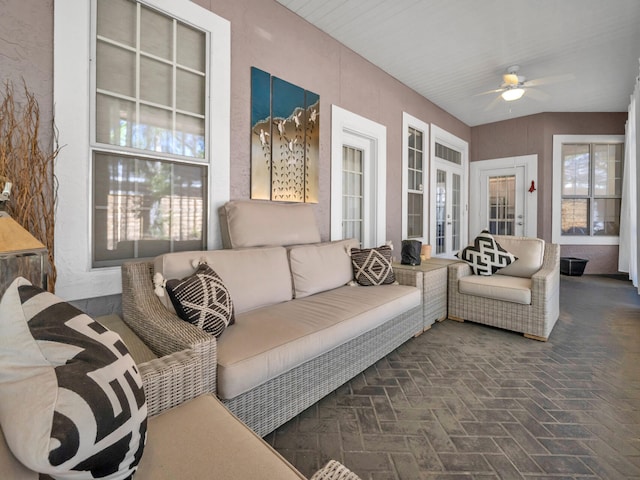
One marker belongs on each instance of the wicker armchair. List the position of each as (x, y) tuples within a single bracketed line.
[(535, 320), (186, 364)]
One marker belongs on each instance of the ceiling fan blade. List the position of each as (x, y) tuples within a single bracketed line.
[(492, 104), (568, 77), (497, 90), (537, 94)]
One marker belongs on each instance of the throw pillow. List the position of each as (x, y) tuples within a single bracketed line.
[(72, 404), (203, 300), (486, 256), (372, 266)]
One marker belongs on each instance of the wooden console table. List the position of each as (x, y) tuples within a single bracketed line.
[(21, 255), (434, 287)]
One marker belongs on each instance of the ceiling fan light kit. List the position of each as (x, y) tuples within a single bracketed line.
[(512, 94)]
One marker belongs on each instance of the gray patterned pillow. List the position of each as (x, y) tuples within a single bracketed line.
[(203, 300), (71, 399), (486, 256), (372, 266)]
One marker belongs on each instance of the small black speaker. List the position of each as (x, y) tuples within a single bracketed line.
[(410, 252)]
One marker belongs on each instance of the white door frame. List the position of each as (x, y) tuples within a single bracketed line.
[(441, 136), (483, 168), (348, 128)]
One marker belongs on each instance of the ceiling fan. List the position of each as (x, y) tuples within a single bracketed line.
[(514, 86)]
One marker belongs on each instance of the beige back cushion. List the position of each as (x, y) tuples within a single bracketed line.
[(530, 253), (252, 223), (255, 277), (316, 268)]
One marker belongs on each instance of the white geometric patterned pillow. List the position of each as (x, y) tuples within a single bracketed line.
[(72, 404), (486, 256), (203, 300), (372, 266)]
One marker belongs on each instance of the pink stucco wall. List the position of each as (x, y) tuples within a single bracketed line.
[(534, 135), (268, 36)]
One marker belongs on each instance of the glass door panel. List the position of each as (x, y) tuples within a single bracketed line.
[(352, 193)]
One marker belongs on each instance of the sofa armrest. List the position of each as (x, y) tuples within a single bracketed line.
[(186, 353), (546, 282), (455, 271)]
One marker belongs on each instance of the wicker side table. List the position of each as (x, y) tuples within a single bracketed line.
[(434, 287)]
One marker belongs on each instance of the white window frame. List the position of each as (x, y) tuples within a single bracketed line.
[(73, 29), (556, 217), (349, 128), (409, 121)]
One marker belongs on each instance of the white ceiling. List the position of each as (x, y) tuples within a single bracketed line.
[(450, 51)]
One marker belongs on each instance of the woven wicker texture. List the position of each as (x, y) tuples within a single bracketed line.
[(536, 319), (434, 292), (271, 404), (334, 470), (186, 366)]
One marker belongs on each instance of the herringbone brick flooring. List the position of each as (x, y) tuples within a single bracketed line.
[(467, 401)]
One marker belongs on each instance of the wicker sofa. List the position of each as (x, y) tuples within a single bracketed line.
[(300, 332), (523, 297)]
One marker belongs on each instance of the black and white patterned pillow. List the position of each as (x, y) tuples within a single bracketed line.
[(486, 256), (372, 266), (203, 300), (72, 404)]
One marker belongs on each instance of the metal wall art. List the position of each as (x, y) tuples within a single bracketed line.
[(285, 140)]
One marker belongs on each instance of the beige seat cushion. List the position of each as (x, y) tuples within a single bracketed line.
[(498, 287), (267, 342), (316, 268), (137, 348), (252, 223), (201, 439), (530, 253), (255, 277)]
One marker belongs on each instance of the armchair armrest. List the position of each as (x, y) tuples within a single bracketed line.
[(187, 363), (545, 283)]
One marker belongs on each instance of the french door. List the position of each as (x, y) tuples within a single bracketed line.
[(353, 193), (448, 209), (504, 196)]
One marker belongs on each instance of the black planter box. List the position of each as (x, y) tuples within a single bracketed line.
[(572, 266)]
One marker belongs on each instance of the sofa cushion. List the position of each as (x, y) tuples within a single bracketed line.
[(316, 268), (508, 289), (71, 398), (372, 266), (269, 341), (253, 223), (254, 276), (530, 253), (486, 256), (203, 300), (201, 439)]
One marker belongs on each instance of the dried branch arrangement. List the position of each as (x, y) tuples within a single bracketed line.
[(29, 167)]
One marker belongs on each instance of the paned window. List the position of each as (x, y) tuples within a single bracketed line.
[(149, 147), (415, 183), (591, 189)]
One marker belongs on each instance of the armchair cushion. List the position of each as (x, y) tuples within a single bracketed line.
[(486, 256), (506, 289), (71, 400), (530, 253)]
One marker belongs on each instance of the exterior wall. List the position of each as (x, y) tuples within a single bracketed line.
[(534, 135)]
